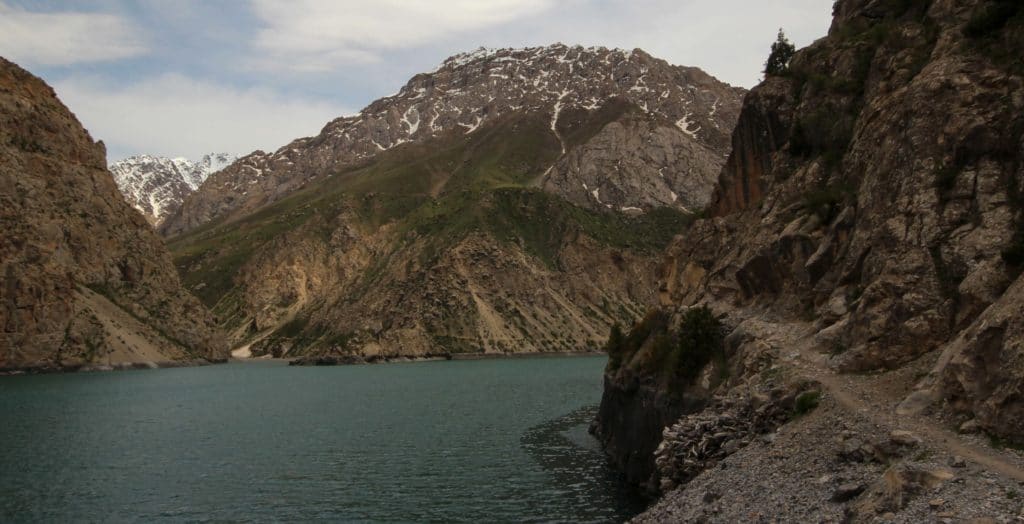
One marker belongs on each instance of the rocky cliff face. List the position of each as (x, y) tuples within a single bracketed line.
[(677, 130), (156, 185), (434, 249), (86, 281), (500, 180), (869, 216), (876, 187)]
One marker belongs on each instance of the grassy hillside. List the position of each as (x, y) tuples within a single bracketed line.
[(429, 198)]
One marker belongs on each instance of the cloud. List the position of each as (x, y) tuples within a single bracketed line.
[(319, 35), (66, 38), (727, 38), (174, 115)]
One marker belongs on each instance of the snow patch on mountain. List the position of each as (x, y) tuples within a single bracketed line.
[(471, 90), (157, 185)]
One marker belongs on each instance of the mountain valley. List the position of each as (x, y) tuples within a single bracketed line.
[(807, 297), (459, 238)]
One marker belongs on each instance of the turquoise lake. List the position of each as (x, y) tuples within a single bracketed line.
[(473, 441)]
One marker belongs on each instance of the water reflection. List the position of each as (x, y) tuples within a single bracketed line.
[(590, 489)]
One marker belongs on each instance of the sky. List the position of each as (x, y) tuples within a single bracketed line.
[(189, 77)]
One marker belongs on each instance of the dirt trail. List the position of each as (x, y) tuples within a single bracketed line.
[(862, 395)]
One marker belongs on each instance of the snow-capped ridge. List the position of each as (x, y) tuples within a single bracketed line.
[(464, 94), (157, 185)]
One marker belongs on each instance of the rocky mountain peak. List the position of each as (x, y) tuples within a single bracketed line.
[(468, 92), (156, 185)]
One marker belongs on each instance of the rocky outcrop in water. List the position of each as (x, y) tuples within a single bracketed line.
[(85, 279)]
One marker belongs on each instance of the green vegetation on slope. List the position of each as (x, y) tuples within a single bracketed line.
[(675, 357), (434, 195)]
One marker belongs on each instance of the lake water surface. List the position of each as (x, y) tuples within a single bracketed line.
[(485, 441)]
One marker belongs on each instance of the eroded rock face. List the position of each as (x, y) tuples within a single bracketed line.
[(633, 165), (689, 117), (985, 375), (483, 295), (630, 426), (874, 192), (76, 260), (874, 188)]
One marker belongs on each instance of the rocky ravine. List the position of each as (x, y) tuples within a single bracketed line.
[(533, 229), (86, 280), (657, 160), (867, 237), (156, 185)]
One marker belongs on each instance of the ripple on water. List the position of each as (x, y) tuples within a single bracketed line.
[(489, 440)]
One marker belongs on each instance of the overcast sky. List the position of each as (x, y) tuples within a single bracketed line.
[(185, 77)]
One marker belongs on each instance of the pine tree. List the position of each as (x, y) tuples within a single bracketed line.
[(782, 53)]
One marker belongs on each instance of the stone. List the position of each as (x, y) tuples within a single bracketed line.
[(846, 492), (731, 447), (970, 427), (904, 438)]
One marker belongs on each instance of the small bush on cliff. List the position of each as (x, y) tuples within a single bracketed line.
[(621, 348), (782, 52), (701, 340), (806, 402)]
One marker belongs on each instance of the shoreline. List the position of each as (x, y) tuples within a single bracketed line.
[(346, 360), (356, 360), (55, 368)]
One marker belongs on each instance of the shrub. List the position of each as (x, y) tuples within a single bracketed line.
[(621, 347), (701, 339), (806, 402), (996, 30), (945, 178)]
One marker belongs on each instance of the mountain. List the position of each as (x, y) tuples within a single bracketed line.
[(863, 254), (523, 213), (86, 280), (677, 139), (156, 185)]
